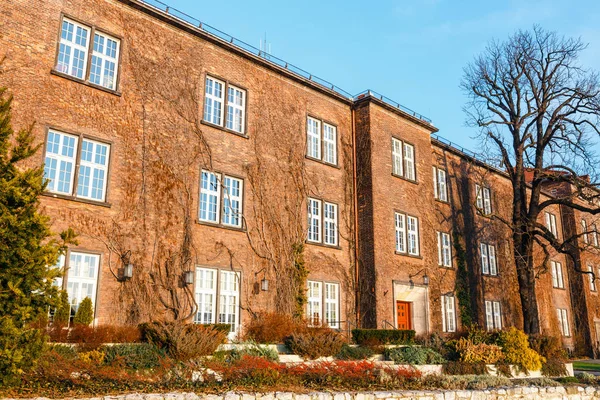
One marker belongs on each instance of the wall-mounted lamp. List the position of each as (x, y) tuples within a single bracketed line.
[(425, 279), (264, 283), (127, 271), (188, 277)]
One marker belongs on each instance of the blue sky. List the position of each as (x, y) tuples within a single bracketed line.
[(412, 51)]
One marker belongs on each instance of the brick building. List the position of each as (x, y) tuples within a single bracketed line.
[(204, 177)]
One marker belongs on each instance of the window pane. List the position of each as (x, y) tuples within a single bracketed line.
[(313, 138), (314, 220), (61, 150), (82, 278), (330, 223), (104, 60), (409, 162), (210, 190), (213, 101), (397, 164), (93, 170), (400, 233), (72, 50), (232, 201), (329, 144), (236, 103)]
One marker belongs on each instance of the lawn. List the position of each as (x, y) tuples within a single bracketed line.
[(586, 366)]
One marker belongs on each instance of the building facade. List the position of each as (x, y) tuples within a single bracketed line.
[(210, 182)]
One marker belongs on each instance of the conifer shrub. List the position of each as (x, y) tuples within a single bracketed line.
[(85, 312), (354, 352), (137, 356), (515, 346), (62, 313), (414, 355), (382, 336)]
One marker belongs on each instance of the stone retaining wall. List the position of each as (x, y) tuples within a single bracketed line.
[(529, 393)]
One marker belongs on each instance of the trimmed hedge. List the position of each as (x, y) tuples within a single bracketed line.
[(375, 337)]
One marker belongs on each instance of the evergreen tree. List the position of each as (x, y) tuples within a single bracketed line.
[(63, 310), (26, 249), (85, 312)]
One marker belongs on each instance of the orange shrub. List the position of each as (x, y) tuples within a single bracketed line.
[(272, 327)]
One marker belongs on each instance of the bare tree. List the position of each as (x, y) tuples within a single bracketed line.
[(538, 109)]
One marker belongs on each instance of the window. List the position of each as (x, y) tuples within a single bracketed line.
[(483, 199), (313, 304), (444, 250), (440, 190), (323, 303), (557, 275), (448, 314), (551, 223), (82, 278), (489, 265), (206, 293), (493, 315), (73, 50), (60, 162), (332, 304), (214, 105), (236, 106), (229, 299), (321, 141), (403, 159), (322, 214), (584, 231), (221, 199), (594, 235), (227, 295), (407, 234), (563, 321), (591, 278)]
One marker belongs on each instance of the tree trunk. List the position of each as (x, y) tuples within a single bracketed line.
[(526, 277)]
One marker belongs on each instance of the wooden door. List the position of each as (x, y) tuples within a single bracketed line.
[(403, 316)]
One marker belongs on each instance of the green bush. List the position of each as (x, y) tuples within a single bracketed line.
[(183, 341), (315, 342), (85, 312), (354, 353), (414, 355), (134, 356), (382, 336)]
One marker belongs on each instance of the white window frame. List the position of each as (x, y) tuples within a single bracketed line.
[(448, 313), (551, 223), (93, 167), (209, 111), (105, 59), (210, 193), (397, 158), (595, 235), (233, 218), (584, 231), (563, 322), (77, 165), (238, 122), (412, 235), (321, 141), (483, 199), (73, 46), (91, 33), (332, 304), (323, 225), (206, 296), (400, 225), (557, 275), (314, 304), (444, 249), (229, 299), (314, 233), (410, 172), (493, 315), (489, 262), (591, 279), (440, 186), (330, 224), (76, 279), (329, 144)]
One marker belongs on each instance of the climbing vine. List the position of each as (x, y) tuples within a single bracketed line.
[(462, 284)]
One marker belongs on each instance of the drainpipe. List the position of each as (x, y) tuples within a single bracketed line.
[(355, 205)]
